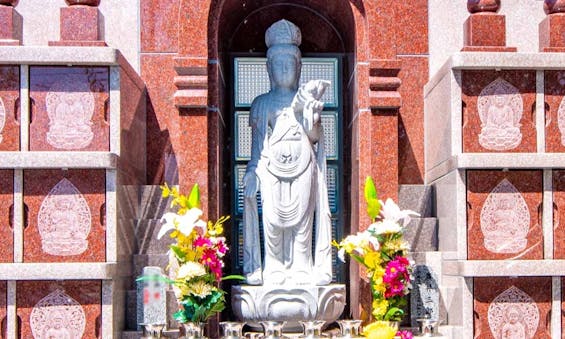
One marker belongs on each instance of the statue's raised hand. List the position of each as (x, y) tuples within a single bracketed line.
[(250, 184)]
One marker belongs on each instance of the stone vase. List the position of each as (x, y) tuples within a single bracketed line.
[(11, 3), (477, 6), (193, 330), (93, 3), (554, 6)]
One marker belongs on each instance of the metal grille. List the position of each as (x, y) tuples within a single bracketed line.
[(331, 181), (252, 78), (240, 172), (329, 124), (243, 136)]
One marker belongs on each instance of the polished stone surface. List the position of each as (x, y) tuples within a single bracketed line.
[(6, 216)]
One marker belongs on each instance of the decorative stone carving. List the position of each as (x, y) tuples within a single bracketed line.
[(64, 220), (253, 304), (476, 6), (513, 314), (151, 297), (500, 109), (57, 316), (561, 120), (93, 3), (70, 107), (425, 294), (505, 219), (554, 6), (2, 118)]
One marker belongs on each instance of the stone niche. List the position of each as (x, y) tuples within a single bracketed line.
[(6, 223), (503, 215), (512, 307), (9, 110), (498, 111), (59, 309)]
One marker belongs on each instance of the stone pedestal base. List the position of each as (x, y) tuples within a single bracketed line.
[(10, 26), (80, 26), (292, 304), (486, 32), (551, 31)]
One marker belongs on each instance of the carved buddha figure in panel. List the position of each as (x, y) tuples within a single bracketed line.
[(513, 314), (505, 219), (64, 220), (70, 107), (500, 109), (59, 316)]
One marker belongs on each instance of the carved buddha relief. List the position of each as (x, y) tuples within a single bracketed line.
[(505, 219), (70, 107), (500, 109), (64, 220), (2, 118), (513, 314), (57, 315)]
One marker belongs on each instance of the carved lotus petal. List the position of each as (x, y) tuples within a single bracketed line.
[(476, 6), (93, 3), (505, 219), (515, 313), (64, 220), (554, 6), (57, 315)]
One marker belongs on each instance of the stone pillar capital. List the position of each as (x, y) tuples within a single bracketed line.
[(480, 6), (554, 6)]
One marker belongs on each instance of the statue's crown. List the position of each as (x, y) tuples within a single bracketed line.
[(283, 32)]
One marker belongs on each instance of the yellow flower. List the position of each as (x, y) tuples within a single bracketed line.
[(200, 289), (380, 306), (190, 270), (380, 330), (373, 260)]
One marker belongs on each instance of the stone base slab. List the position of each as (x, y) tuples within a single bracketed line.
[(292, 304)]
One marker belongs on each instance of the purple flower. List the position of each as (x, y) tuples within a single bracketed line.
[(405, 334)]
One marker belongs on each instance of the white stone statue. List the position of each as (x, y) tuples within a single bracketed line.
[(288, 166)]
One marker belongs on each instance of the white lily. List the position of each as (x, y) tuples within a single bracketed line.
[(184, 223), (391, 211)]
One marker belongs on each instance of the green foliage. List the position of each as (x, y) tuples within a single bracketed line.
[(194, 197), (196, 309), (373, 205)]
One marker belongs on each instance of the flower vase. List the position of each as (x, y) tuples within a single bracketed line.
[(312, 329), (193, 330), (349, 329), (273, 329), (232, 330)]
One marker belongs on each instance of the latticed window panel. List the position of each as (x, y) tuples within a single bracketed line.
[(239, 174), (243, 135), (252, 78)]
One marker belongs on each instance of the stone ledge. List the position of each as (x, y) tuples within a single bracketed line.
[(31, 160), (503, 268), (496, 60), (60, 55), (496, 161), (64, 271)]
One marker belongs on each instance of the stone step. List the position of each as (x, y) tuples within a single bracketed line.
[(418, 198), (421, 234)]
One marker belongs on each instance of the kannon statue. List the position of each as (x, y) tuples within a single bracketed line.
[(288, 167)]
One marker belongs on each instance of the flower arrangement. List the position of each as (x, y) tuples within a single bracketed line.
[(383, 251), (195, 259)]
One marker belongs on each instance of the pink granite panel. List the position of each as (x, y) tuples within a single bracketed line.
[(499, 111), (485, 29), (66, 218), (559, 214), (70, 109), (412, 34), (504, 215), (159, 25), (383, 154), (59, 309), (9, 108), (80, 23), (512, 307), (555, 111), (6, 214), (551, 31), (3, 309), (414, 75), (10, 26)]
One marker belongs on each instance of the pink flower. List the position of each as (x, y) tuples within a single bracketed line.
[(221, 247), (210, 259), (405, 334), (202, 241), (396, 288)]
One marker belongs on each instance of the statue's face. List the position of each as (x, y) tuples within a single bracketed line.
[(284, 70)]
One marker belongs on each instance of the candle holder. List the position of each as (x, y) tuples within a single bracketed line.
[(153, 331), (349, 329), (232, 330), (312, 329), (273, 329)]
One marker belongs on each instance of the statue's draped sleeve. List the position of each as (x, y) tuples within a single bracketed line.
[(251, 238)]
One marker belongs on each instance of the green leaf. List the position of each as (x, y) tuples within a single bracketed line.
[(373, 208), (233, 277), (178, 252), (370, 189), (393, 312), (194, 197)]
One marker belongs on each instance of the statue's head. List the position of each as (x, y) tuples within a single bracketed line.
[(283, 55)]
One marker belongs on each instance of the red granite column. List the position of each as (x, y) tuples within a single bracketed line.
[(10, 24), (552, 28), (485, 30), (81, 24)]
